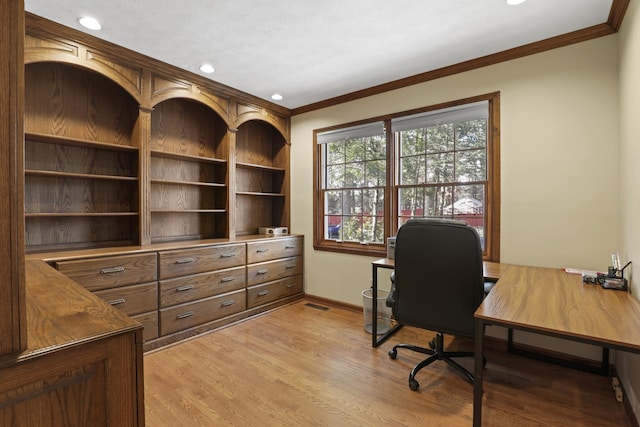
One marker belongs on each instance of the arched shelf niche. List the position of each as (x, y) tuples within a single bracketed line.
[(189, 172), (262, 177), (82, 151)]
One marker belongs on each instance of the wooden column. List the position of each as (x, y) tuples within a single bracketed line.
[(12, 298)]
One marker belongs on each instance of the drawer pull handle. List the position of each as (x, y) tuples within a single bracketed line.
[(263, 271), (116, 301), (112, 270), (227, 279), (262, 293), (228, 303), (289, 247), (185, 315), (185, 260), (184, 288), (262, 250), (231, 255), (290, 285), (288, 266)]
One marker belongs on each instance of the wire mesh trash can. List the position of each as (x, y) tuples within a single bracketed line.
[(383, 315)]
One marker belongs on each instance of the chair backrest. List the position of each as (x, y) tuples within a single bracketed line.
[(438, 276)]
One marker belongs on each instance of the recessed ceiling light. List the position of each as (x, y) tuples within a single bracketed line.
[(90, 23), (207, 68), (515, 2), (276, 97)]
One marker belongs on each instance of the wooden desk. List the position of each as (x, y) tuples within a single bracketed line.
[(492, 271), (551, 302)]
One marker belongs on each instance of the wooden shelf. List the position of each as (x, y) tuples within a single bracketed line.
[(255, 193), (188, 211), (57, 139), (56, 174), (259, 167), (76, 214), (174, 182), (188, 157)]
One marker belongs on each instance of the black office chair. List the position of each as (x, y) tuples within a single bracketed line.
[(438, 285)]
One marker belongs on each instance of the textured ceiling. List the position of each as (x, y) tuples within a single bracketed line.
[(310, 51)]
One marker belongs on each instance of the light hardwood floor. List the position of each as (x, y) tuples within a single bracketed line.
[(302, 366)]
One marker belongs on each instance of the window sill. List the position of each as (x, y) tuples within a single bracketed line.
[(373, 250)]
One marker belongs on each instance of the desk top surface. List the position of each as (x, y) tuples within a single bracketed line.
[(553, 301)]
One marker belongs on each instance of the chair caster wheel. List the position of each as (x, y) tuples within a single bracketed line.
[(393, 353), (413, 385)]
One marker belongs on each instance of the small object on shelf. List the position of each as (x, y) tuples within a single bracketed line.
[(273, 230)]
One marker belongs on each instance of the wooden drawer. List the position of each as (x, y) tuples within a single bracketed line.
[(150, 322), (133, 299), (273, 270), (184, 316), (272, 291), (110, 272), (184, 262), (203, 285), (266, 250)]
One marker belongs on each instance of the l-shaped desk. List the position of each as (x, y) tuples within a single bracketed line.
[(546, 301)]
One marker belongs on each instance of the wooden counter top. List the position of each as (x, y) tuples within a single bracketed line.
[(61, 313)]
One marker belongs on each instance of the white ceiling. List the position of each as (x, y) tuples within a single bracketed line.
[(310, 51)]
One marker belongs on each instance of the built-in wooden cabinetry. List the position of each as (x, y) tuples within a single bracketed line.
[(147, 186), (141, 188), (122, 150)]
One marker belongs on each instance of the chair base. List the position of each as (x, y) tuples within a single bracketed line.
[(436, 352)]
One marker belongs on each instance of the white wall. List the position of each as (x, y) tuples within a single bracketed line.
[(559, 149), (628, 365)]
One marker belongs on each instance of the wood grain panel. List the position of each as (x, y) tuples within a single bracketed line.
[(186, 127), (71, 195), (57, 397), (12, 299), (62, 157), (203, 285), (187, 315), (272, 291), (258, 143), (66, 233), (273, 270), (184, 262), (265, 250), (67, 101), (178, 197), (259, 180), (150, 323), (110, 272), (167, 227), (131, 300), (253, 212), (164, 168)]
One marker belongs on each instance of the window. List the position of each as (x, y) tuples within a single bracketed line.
[(437, 162), (354, 175), (443, 164)]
